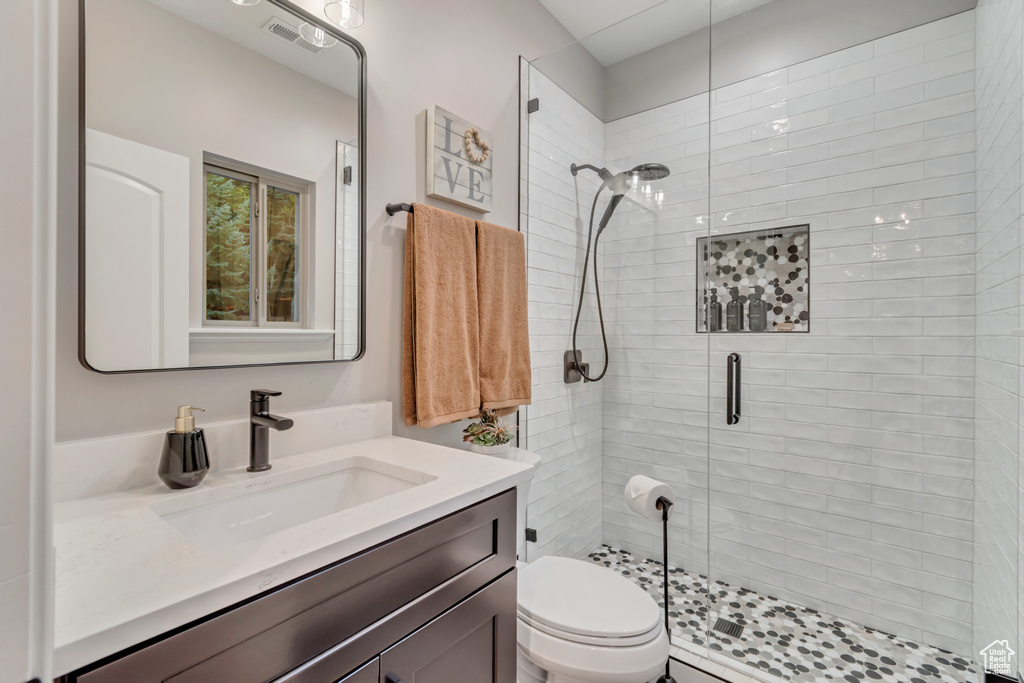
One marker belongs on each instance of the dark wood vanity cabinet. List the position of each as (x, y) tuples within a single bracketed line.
[(436, 604), (368, 673), (474, 641)]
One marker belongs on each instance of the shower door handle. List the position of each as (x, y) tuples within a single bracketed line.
[(733, 381)]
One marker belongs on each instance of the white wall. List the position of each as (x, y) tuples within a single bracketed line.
[(26, 337), (769, 37), (419, 55), (997, 493), (564, 421)]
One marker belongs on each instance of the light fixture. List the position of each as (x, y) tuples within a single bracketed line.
[(317, 36), (345, 13), (247, 3)]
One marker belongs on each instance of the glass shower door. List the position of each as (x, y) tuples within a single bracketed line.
[(649, 414), (837, 283), (656, 391)]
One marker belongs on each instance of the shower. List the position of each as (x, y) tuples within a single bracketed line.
[(619, 184)]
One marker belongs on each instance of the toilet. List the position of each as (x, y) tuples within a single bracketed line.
[(582, 623), (579, 622)]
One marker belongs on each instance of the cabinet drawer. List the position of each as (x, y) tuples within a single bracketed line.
[(401, 584)]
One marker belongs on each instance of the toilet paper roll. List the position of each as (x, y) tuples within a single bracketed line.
[(642, 494)]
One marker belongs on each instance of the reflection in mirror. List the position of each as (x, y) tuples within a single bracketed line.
[(222, 221)]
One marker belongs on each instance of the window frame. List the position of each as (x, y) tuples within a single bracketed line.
[(260, 179)]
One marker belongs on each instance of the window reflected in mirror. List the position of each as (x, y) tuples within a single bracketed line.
[(229, 219), (282, 240)]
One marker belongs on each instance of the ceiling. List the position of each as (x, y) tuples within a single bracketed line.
[(614, 30), (337, 66)]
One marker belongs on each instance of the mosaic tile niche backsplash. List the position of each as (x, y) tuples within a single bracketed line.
[(769, 265)]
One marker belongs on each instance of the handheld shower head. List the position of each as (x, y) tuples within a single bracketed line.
[(649, 172), (619, 182)]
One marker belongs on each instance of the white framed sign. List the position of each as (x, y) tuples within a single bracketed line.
[(460, 159)]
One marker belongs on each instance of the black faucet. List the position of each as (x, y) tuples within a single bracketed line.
[(260, 424)]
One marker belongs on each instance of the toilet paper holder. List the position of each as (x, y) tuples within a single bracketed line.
[(664, 504)]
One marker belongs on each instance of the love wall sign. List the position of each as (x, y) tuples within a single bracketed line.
[(460, 158)]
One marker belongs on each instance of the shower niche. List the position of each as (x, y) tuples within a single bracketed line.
[(755, 281)]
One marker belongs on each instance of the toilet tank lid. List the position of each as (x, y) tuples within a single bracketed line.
[(524, 456), (584, 598)]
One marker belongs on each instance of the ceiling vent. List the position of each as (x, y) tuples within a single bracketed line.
[(276, 27)]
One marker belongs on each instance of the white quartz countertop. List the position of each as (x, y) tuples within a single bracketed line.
[(124, 575)]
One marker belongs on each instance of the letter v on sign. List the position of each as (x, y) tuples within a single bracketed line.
[(452, 180)]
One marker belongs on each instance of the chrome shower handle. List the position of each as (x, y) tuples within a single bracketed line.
[(732, 390)]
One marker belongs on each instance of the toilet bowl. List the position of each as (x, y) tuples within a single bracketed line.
[(582, 623)]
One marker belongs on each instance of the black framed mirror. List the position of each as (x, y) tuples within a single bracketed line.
[(222, 186)]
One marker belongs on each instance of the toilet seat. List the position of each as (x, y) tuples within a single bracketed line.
[(586, 603), (600, 641)]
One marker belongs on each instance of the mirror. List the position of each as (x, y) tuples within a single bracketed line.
[(223, 202)]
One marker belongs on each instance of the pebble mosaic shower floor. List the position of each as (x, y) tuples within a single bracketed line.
[(782, 640)]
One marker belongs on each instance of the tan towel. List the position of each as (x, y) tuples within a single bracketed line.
[(441, 345), (505, 380)]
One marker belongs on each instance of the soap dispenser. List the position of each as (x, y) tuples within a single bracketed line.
[(184, 462), (714, 314), (734, 313)]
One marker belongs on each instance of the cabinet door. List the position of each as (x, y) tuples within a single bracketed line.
[(368, 673), (474, 642)]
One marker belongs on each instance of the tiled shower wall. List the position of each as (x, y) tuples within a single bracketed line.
[(997, 385), (564, 422), (848, 484)]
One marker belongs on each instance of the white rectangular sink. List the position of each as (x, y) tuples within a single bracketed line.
[(243, 511)]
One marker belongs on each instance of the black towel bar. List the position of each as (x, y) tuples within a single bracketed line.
[(392, 209)]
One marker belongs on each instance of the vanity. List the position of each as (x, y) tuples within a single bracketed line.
[(381, 559)]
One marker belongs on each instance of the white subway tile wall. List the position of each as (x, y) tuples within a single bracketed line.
[(997, 494), (847, 485), (564, 422)]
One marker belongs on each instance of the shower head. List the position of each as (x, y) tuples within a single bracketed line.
[(648, 172), (619, 183)]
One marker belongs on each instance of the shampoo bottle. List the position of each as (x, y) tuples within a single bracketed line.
[(757, 311), (734, 313), (184, 462), (714, 314)]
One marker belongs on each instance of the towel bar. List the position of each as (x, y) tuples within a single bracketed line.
[(392, 209)]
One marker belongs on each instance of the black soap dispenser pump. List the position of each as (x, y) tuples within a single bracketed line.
[(184, 462), (714, 314), (734, 313), (758, 311)]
